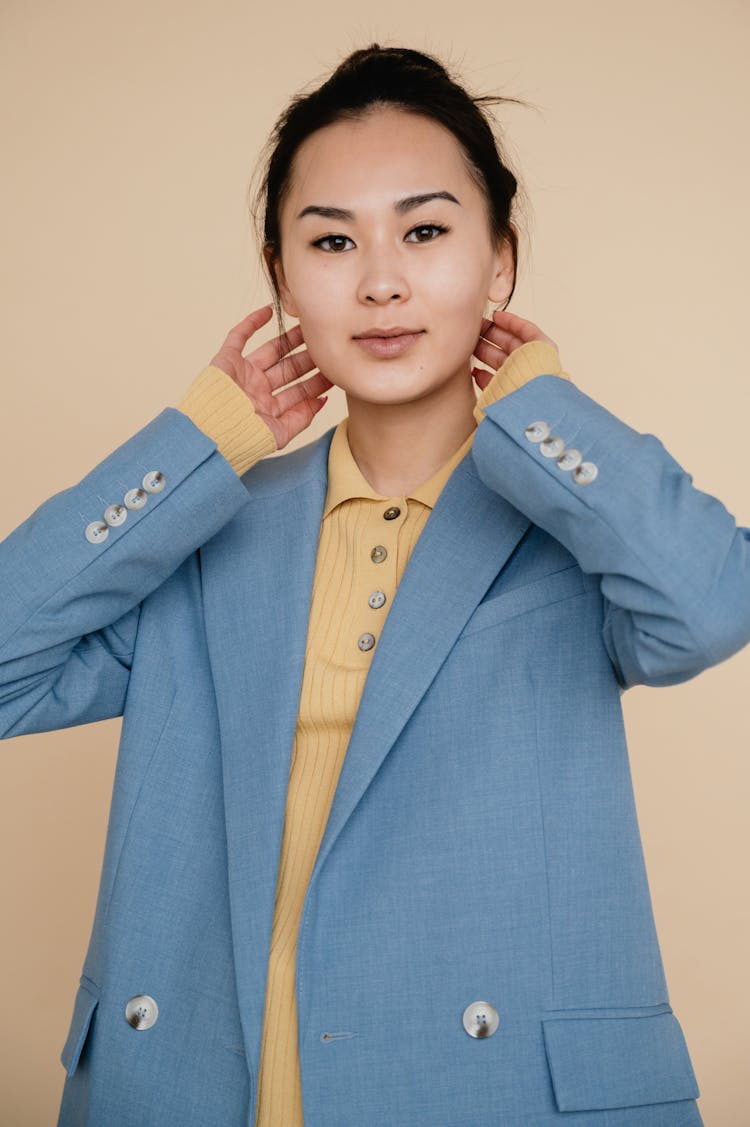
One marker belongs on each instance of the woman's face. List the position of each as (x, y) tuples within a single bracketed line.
[(367, 246)]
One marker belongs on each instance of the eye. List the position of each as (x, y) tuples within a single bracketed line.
[(335, 242), (428, 230)]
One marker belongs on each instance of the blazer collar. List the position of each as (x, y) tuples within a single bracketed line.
[(467, 538)]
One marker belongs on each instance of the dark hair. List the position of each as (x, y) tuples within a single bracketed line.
[(369, 79)]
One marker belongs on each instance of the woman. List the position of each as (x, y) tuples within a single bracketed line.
[(370, 863)]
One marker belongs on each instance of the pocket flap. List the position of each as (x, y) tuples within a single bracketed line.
[(83, 1010), (607, 1062)]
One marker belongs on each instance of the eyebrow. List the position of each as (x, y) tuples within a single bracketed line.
[(408, 203)]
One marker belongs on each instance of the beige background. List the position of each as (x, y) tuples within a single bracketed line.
[(129, 135)]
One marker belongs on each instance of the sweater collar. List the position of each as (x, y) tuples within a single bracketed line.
[(346, 481)]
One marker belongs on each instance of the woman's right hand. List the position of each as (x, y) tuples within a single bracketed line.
[(270, 367)]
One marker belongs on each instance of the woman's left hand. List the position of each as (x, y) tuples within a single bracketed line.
[(499, 337)]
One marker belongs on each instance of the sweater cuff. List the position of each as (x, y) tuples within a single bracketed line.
[(219, 406), (535, 358)]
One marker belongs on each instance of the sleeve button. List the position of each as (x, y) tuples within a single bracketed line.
[(585, 473), (552, 446), (135, 499), (115, 515), (96, 532), (154, 481), (570, 458), (535, 432)]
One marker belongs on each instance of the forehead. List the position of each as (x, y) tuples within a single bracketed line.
[(374, 159)]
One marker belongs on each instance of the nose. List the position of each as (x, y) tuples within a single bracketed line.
[(383, 279)]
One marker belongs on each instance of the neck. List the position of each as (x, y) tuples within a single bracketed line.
[(399, 446)]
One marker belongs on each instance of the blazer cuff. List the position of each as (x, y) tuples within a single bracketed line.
[(223, 411), (535, 358)]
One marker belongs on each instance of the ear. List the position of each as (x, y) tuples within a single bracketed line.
[(503, 274), (276, 270)]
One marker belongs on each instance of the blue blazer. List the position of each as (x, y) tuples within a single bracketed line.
[(477, 942)]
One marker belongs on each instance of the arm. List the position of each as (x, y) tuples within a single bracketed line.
[(72, 584), (75, 573), (674, 566)]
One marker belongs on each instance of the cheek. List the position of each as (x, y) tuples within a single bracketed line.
[(460, 284)]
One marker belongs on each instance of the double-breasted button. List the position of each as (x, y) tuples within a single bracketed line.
[(378, 554), (535, 432), (154, 481), (141, 1011), (115, 514), (96, 532), (480, 1019), (552, 446), (135, 498), (392, 513), (585, 473), (366, 642), (570, 458), (376, 599)]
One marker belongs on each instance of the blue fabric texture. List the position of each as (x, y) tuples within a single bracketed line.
[(483, 841)]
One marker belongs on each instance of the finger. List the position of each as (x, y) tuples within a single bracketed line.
[(523, 328), (490, 354), (238, 336), (482, 377), (308, 389), (503, 338), (273, 350), (289, 369), (301, 415), (519, 326)]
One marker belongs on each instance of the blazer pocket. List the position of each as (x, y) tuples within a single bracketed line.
[(86, 1002), (607, 1062), (540, 592)]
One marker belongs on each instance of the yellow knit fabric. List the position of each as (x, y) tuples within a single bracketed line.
[(535, 358), (346, 577), (361, 558), (220, 407)]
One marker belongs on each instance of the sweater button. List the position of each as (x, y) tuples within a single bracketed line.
[(392, 513), (378, 554), (366, 642), (376, 600)]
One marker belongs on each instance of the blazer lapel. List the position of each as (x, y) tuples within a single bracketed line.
[(464, 544), (257, 576)]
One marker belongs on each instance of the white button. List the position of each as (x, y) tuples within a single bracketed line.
[(154, 481), (366, 642), (376, 599), (141, 1011), (115, 514), (585, 473), (480, 1019), (570, 458), (135, 499), (535, 432), (552, 446), (96, 532)]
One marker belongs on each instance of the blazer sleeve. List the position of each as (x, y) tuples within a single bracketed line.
[(672, 563), (72, 584)]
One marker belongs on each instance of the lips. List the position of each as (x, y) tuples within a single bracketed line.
[(397, 331), (386, 344)]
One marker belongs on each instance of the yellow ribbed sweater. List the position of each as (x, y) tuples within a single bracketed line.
[(361, 558)]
